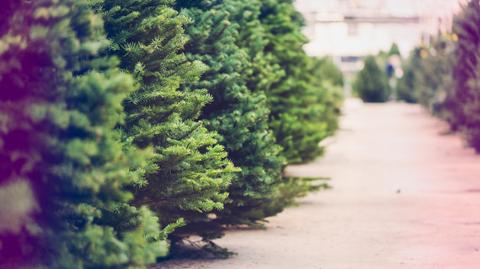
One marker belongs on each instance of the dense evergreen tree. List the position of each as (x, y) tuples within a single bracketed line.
[(231, 39), (406, 86), (17, 203), (90, 141), (238, 113), (266, 73), (432, 67), (189, 173), (447, 74), (466, 73), (60, 104), (394, 50), (406, 89), (296, 103), (326, 70), (327, 81), (263, 70), (371, 83)]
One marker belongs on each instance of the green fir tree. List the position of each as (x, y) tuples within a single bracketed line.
[(327, 81), (326, 70), (60, 106), (407, 87), (239, 111), (296, 103), (189, 173), (394, 50), (466, 73), (371, 83), (432, 66)]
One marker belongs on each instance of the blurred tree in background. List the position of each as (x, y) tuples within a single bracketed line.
[(328, 79), (326, 70), (296, 104), (434, 75), (407, 85), (394, 50), (465, 98), (371, 83), (445, 74)]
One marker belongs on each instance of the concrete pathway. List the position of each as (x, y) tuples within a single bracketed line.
[(405, 195)]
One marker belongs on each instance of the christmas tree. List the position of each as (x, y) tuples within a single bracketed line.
[(465, 106), (432, 67), (60, 106), (371, 83), (189, 173), (294, 101), (407, 85), (326, 81), (326, 70), (239, 111)]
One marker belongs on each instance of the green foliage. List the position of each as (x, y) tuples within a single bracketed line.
[(295, 103), (446, 74), (394, 50), (189, 174), (231, 39), (60, 108), (326, 70), (238, 114), (430, 70), (96, 133), (270, 33), (292, 188), (371, 83), (464, 99), (406, 86), (328, 81)]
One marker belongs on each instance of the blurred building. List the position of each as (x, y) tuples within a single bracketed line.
[(348, 30)]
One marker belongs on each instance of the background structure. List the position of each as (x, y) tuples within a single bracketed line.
[(350, 29)]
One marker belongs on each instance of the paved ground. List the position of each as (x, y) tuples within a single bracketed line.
[(405, 195)]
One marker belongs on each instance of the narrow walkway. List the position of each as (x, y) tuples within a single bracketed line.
[(405, 195)]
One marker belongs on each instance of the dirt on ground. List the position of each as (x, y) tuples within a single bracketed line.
[(406, 194)]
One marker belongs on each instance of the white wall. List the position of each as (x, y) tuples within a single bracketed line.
[(340, 39)]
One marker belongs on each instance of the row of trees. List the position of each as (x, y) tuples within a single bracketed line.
[(444, 75), (128, 126)]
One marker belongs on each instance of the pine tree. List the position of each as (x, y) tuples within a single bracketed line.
[(326, 70), (239, 111), (324, 79), (60, 105), (231, 39), (406, 85), (294, 101), (371, 83), (465, 105), (394, 50), (263, 74), (189, 174), (407, 88), (327, 81), (433, 83), (17, 202), (263, 70)]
